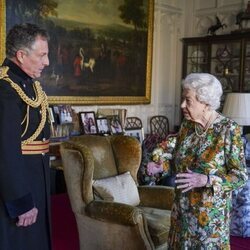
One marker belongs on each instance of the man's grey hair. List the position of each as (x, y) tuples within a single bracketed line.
[(23, 36), (207, 87)]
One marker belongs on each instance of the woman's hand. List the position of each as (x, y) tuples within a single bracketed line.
[(154, 168), (190, 180)]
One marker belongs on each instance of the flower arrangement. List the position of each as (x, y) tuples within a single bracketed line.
[(156, 162)]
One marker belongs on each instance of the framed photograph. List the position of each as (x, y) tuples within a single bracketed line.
[(65, 121), (63, 113), (92, 48), (88, 122), (51, 115), (55, 109), (137, 133), (102, 125), (76, 127), (115, 124)]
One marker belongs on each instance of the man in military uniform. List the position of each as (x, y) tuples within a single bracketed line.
[(24, 133)]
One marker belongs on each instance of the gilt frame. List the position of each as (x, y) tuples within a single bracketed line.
[(127, 96)]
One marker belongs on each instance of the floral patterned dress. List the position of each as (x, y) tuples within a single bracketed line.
[(200, 217)]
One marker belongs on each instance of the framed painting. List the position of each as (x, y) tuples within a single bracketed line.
[(99, 52)]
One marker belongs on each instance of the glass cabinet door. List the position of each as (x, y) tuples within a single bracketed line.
[(246, 73), (225, 64), (197, 58), (225, 56)]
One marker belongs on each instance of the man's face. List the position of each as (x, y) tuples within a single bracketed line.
[(36, 58)]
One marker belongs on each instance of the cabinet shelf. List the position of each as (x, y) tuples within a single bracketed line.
[(226, 59), (197, 63), (223, 75)]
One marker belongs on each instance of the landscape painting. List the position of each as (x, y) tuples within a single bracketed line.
[(100, 51)]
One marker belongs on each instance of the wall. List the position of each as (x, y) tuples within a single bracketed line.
[(174, 19), (205, 11)]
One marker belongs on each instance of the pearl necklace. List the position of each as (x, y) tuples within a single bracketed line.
[(210, 121)]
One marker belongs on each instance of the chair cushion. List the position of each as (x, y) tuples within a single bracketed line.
[(158, 224), (121, 188)]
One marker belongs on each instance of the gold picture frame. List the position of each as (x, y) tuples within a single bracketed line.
[(128, 85)]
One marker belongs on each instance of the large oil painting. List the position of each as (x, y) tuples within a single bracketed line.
[(100, 51)]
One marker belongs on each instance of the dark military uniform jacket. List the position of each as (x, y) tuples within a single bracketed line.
[(24, 179)]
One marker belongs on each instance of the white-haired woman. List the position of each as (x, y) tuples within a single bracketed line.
[(208, 160)]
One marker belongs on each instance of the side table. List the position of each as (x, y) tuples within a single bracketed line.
[(57, 181)]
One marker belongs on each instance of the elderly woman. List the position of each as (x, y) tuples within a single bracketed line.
[(208, 160)]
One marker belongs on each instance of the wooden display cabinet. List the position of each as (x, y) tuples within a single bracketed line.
[(225, 56)]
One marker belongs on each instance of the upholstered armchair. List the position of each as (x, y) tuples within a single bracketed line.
[(104, 223)]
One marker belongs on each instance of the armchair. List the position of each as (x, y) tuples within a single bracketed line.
[(110, 225)]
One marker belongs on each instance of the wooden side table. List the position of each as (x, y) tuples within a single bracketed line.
[(57, 181)]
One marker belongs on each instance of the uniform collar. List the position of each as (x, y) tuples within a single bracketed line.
[(25, 79)]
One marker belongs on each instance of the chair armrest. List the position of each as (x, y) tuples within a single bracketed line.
[(156, 196), (114, 212)]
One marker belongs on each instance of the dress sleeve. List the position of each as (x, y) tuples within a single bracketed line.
[(14, 188), (235, 174)]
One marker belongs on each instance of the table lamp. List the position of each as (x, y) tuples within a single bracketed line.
[(237, 107)]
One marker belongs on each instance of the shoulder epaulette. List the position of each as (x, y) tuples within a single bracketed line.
[(3, 72)]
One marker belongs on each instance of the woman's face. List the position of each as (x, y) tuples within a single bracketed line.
[(91, 122), (192, 108)]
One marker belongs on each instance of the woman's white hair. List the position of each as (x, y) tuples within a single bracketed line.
[(207, 88)]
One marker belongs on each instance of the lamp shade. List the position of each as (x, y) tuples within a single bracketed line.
[(237, 107)]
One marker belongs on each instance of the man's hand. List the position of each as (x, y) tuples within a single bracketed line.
[(27, 218)]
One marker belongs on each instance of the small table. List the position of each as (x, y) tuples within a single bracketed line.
[(57, 181)]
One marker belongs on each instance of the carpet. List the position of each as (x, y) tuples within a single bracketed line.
[(239, 243), (64, 229)]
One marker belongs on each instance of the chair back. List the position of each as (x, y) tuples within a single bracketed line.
[(133, 122), (159, 125), (100, 151), (89, 157)]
